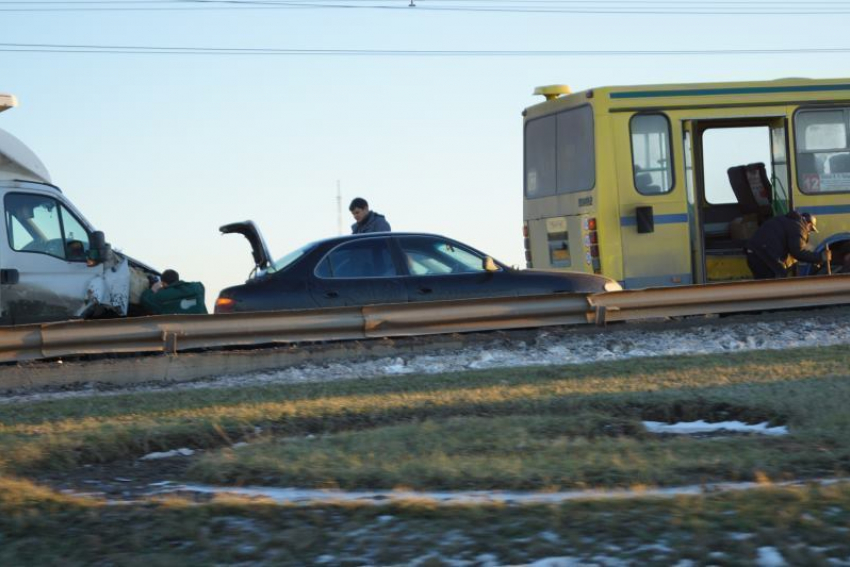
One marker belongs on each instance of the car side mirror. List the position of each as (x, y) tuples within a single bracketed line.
[(490, 265)]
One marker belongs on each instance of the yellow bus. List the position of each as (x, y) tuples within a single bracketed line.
[(662, 185)]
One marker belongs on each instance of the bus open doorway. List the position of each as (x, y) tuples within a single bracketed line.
[(737, 178)]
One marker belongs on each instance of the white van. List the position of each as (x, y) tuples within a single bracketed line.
[(53, 264)]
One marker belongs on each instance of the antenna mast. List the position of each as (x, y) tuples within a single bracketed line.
[(338, 209)]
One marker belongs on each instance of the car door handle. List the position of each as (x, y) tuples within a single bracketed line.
[(331, 294), (424, 290)]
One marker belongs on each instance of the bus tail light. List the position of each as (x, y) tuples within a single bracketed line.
[(593, 239)]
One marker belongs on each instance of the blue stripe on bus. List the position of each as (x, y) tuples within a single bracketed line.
[(656, 281), (658, 219), (826, 209), (732, 91)]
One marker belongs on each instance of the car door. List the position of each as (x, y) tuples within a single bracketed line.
[(442, 269), (358, 272), (44, 260)]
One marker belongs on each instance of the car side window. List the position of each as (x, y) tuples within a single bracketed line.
[(367, 258), (435, 256)]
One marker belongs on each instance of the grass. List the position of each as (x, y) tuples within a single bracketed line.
[(547, 428), (592, 413)]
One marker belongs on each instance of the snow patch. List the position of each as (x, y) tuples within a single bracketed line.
[(700, 426), (183, 452), (308, 496), (770, 557)]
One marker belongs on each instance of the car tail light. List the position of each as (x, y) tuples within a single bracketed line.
[(224, 305)]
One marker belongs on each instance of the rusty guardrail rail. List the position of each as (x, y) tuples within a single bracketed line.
[(184, 332), (727, 297)]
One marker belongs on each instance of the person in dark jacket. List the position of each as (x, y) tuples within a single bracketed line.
[(780, 242), (170, 296), (367, 221)]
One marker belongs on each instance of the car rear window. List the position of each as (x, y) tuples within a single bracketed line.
[(286, 261)]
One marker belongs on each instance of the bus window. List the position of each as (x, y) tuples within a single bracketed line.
[(653, 172), (540, 140), (728, 147), (823, 152), (559, 154), (576, 159)]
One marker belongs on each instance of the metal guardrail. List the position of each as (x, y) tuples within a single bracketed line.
[(184, 332), (728, 297), (173, 333)]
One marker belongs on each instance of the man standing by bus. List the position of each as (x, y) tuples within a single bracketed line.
[(367, 221), (780, 242)]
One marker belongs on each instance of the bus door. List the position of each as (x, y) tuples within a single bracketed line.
[(736, 176), (652, 207), (694, 218)]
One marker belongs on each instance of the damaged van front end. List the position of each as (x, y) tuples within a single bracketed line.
[(53, 264)]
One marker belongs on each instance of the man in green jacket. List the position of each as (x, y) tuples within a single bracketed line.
[(170, 296)]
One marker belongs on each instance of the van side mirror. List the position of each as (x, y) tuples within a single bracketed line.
[(490, 265), (97, 249)]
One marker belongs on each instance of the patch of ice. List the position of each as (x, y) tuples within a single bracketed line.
[(700, 426), (487, 560), (769, 557), (383, 497), (557, 562), (183, 452)]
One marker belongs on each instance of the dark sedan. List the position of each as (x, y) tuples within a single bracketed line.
[(388, 267)]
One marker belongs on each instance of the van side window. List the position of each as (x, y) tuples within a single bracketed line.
[(823, 150), (39, 224), (76, 237), (652, 166)]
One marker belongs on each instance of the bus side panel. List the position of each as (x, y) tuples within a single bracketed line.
[(656, 255)]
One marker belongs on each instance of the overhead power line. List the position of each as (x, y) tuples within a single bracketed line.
[(626, 7), (261, 51)]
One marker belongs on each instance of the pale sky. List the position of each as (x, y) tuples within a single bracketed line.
[(159, 150)]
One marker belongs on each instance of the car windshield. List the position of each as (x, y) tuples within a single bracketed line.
[(286, 261)]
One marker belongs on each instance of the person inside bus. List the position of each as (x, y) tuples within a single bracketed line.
[(780, 242), (367, 221)]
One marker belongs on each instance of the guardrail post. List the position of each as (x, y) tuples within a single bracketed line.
[(601, 311), (169, 340)]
